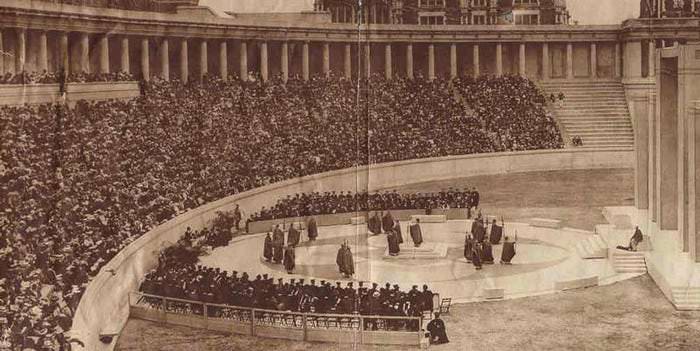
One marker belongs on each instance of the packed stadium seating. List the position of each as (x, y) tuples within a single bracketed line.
[(77, 184)]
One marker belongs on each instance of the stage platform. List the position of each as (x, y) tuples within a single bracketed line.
[(547, 261)]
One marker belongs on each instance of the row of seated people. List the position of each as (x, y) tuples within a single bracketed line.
[(46, 77), (79, 183), (309, 204)]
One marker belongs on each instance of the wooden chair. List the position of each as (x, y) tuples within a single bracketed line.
[(445, 305)]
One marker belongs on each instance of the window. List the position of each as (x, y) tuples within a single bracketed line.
[(480, 3), (480, 19), (431, 20), (432, 3)]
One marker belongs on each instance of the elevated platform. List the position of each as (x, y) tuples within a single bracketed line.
[(427, 251), (429, 218), (545, 223)]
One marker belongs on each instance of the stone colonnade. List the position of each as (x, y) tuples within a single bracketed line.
[(187, 58)]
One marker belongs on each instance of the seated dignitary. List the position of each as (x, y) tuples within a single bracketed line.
[(437, 331)]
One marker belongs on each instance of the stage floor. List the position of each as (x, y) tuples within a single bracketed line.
[(544, 257)]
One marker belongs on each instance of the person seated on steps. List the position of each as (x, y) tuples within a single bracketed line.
[(636, 238)]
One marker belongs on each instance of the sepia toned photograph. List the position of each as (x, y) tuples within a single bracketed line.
[(365, 175)]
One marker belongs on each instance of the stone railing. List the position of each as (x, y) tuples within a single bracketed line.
[(335, 328), (21, 94), (104, 307)]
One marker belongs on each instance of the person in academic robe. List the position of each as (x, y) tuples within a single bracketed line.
[(508, 251), (293, 236), (289, 258), (387, 222), (468, 246), (438, 333), (476, 255), (278, 244), (427, 297), (486, 252), (496, 233), (416, 233), (397, 231), (348, 263), (374, 224), (312, 229), (267, 248), (477, 230), (392, 243), (636, 238)]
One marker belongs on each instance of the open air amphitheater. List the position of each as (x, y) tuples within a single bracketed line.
[(154, 153)]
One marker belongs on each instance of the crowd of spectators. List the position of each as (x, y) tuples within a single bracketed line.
[(133, 5), (309, 204), (78, 184), (178, 276)]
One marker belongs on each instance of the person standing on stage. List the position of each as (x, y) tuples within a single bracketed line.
[(397, 231), (289, 259), (476, 255), (278, 244), (438, 333), (387, 222), (312, 229), (392, 243), (508, 250), (293, 236), (486, 252), (267, 248), (344, 260), (416, 233), (468, 246), (496, 232)]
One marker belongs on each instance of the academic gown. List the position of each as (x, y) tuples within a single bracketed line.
[(438, 334), (293, 236), (478, 231), (289, 259), (416, 234), (312, 230), (278, 244), (348, 262), (486, 252), (387, 222), (397, 231), (508, 251), (393, 243), (374, 224), (267, 248), (496, 234), (476, 256), (468, 246)]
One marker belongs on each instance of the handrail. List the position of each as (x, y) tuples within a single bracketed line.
[(353, 315)]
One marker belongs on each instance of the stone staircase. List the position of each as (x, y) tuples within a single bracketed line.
[(629, 262), (686, 298), (592, 247), (596, 111)]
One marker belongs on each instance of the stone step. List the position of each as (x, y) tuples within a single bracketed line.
[(596, 130), (601, 135), (592, 112)]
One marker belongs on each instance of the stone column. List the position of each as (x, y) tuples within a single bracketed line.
[(63, 52), (21, 52), (387, 61), (652, 58), (326, 59), (633, 59), (43, 62), (409, 61), (145, 60), (431, 61), (368, 60), (522, 64), (165, 59), (305, 60), (453, 60), (594, 60), (84, 53), (104, 53), (264, 72), (499, 59), (347, 60), (203, 58), (475, 61), (569, 60), (617, 70), (243, 61), (124, 61), (184, 61), (546, 70), (223, 60), (284, 61)]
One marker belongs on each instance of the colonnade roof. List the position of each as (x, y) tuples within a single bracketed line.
[(202, 22)]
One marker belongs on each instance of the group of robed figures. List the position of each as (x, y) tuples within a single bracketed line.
[(275, 250), (478, 248), (392, 228)]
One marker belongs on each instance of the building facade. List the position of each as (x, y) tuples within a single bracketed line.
[(669, 8), (445, 12)]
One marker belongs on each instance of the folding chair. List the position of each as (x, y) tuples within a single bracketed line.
[(445, 305)]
